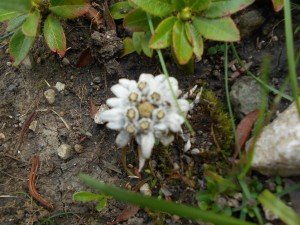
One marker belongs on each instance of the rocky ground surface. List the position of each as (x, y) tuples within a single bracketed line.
[(46, 106)]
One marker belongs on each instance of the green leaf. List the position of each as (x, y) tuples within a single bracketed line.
[(68, 9), (16, 22), (85, 196), (30, 26), (195, 39), (285, 213), (162, 205), (182, 48), (197, 5), (137, 41), (6, 15), (278, 5), (178, 4), (120, 9), (159, 8), (136, 20), (162, 35), (145, 45), (128, 46), (222, 29), (54, 35), (16, 5), (101, 204), (19, 46), (226, 8)]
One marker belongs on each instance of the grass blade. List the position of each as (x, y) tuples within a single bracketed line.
[(285, 213), (161, 205), (290, 52)]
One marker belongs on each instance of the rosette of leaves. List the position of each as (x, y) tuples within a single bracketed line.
[(27, 17), (184, 24)]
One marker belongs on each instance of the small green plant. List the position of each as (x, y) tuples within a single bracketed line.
[(85, 196), (26, 17), (181, 24)]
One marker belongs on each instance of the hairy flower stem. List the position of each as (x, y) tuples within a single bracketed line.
[(166, 73)]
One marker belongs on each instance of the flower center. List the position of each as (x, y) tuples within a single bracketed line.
[(130, 129), (131, 114), (160, 114), (145, 109), (133, 97), (155, 96), (142, 85), (185, 14), (144, 125)]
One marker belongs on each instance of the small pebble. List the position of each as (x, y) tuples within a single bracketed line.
[(145, 189), (195, 151), (50, 95), (78, 148), (8, 63), (2, 136), (64, 151), (65, 61), (60, 86), (33, 125)]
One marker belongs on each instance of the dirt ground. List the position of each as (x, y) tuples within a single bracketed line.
[(68, 121)]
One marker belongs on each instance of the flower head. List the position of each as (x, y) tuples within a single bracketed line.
[(145, 110)]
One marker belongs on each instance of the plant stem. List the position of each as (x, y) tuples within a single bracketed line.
[(237, 145), (290, 52), (166, 73)]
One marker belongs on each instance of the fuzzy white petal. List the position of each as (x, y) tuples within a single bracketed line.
[(146, 77), (147, 143), (120, 91), (167, 139), (160, 127), (116, 102), (184, 105), (174, 122), (116, 125), (123, 138), (125, 82), (112, 114)]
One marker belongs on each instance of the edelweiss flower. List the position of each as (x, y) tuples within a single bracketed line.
[(145, 110)]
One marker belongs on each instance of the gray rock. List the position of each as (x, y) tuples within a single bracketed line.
[(277, 150), (50, 95), (64, 151), (249, 22), (245, 95)]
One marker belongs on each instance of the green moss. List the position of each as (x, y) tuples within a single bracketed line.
[(220, 120)]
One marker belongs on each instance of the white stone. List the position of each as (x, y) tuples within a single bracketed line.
[(97, 118), (277, 151), (60, 86), (64, 151), (50, 95), (145, 189)]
